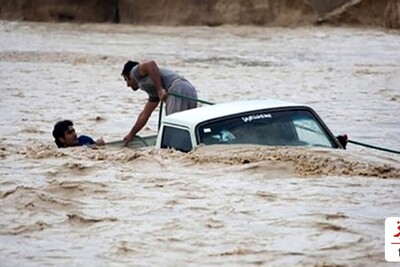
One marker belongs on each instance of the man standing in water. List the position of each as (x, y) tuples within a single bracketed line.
[(157, 82)]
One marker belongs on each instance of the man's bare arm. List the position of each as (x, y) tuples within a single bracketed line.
[(141, 120)]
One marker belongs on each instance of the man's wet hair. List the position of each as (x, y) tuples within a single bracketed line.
[(128, 67), (59, 131)]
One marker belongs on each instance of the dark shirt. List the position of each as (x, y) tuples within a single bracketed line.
[(85, 140)]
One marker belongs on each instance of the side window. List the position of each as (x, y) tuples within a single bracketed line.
[(176, 138), (310, 132)]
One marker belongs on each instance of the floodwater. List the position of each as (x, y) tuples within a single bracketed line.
[(225, 206)]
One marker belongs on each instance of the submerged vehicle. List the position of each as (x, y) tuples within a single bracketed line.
[(261, 122)]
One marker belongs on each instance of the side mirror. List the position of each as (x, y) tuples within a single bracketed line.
[(343, 140)]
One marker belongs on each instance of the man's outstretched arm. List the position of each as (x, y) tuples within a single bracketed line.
[(141, 120)]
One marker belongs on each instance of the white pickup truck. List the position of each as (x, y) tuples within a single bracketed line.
[(262, 122)]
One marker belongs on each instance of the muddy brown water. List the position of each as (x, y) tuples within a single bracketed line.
[(230, 206)]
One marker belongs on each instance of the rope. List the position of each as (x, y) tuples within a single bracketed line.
[(374, 147), (181, 96), (142, 140), (160, 116), (191, 98)]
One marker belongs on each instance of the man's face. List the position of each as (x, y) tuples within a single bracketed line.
[(70, 138), (131, 83)]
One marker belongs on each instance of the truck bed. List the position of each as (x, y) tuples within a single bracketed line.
[(138, 142)]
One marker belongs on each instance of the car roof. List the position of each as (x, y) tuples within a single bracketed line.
[(193, 117)]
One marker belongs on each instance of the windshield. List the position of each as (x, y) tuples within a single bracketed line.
[(274, 128)]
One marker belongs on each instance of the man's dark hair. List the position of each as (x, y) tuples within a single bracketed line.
[(128, 67), (59, 131)]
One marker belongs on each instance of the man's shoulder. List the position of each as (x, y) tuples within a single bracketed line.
[(135, 73), (85, 140)]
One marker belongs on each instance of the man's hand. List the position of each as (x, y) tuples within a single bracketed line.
[(162, 95), (128, 138), (100, 142)]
